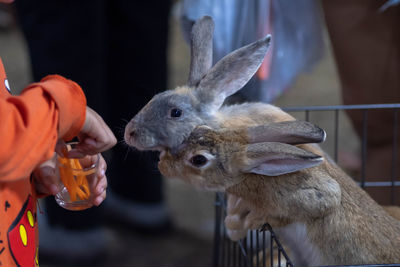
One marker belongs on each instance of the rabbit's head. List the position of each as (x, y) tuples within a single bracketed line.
[(170, 116), (218, 159)]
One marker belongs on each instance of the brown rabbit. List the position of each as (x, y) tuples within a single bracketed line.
[(296, 187)]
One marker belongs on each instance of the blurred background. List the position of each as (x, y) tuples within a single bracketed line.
[(189, 239)]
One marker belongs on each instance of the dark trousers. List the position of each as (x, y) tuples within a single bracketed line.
[(117, 51), (366, 45)]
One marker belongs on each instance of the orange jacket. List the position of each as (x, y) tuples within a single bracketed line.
[(30, 125)]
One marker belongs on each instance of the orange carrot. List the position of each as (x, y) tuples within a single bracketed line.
[(74, 180)]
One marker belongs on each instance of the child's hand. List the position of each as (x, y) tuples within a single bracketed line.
[(47, 182), (45, 179), (95, 136), (99, 193)]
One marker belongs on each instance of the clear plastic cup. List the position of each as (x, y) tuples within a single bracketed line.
[(78, 180)]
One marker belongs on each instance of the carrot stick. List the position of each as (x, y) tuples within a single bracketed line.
[(75, 182)]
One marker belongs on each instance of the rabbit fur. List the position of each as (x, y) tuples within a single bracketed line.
[(288, 185)]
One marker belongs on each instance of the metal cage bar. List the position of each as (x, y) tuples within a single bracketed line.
[(394, 154)]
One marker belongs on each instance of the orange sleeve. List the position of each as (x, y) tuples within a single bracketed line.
[(32, 122)]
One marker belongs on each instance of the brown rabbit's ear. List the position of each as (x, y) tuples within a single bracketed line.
[(273, 159), (201, 49), (231, 73), (289, 132)]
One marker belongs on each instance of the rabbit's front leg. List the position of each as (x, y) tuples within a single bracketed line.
[(241, 217), (236, 212)]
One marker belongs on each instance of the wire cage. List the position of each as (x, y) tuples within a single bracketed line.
[(262, 247)]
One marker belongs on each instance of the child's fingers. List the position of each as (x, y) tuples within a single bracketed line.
[(95, 135), (102, 167), (86, 146), (90, 160), (102, 180), (48, 189), (80, 151), (101, 186), (46, 180), (98, 200), (60, 148), (75, 153)]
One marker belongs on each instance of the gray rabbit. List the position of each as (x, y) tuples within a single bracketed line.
[(170, 116)]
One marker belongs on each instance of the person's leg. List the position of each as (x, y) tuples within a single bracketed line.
[(137, 70), (65, 37), (366, 45)]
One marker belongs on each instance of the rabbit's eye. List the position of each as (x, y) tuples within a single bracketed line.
[(198, 160), (176, 113)]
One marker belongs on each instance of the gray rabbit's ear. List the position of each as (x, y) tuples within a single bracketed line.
[(273, 159), (289, 132), (201, 49), (232, 72)]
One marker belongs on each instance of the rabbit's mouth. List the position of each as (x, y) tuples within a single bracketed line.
[(152, 148), (140, 147), (141, 144)]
